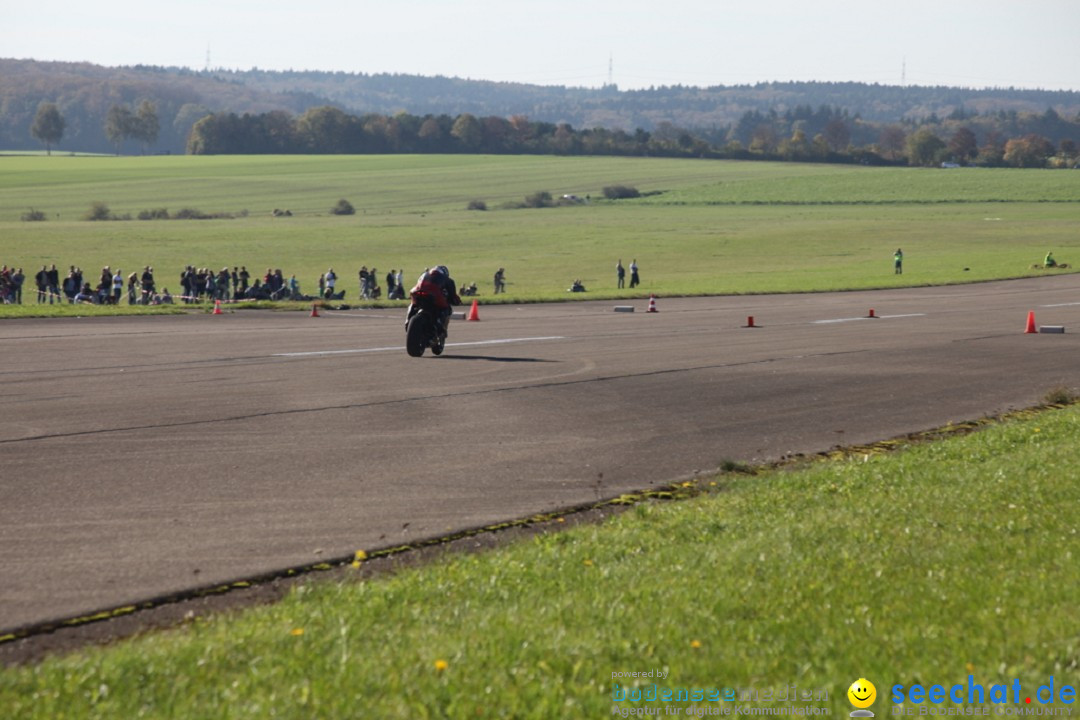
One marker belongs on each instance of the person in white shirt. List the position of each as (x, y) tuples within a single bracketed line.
[(117, 286), (331, 278)]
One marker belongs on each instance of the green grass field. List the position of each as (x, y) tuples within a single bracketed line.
[(926, 565), (715, 227)]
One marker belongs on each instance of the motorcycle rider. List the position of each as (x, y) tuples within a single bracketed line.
[(437, 283)]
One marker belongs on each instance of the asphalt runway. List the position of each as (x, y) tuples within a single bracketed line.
[(144, 456)]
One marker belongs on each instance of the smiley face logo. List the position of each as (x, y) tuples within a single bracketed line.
[(862, 693)]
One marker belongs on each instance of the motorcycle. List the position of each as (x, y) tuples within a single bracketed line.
[(423, 329)]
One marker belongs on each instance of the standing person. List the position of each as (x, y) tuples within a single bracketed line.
[(390, 284), (331, 279), (71, 285), (17, 279), (620, 274), (322, 285), (147, 284), (500, 281), (898, 262), (235, 281), (370, 283), (634, 279), (133, 280), (223, 285), (117, 286), (42, 282), (399, 283), (363, 281), (54, 284)]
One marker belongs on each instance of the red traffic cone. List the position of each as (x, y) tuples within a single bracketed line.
[(217, 308), (474, 312), (1031, 323), (314, 310), (871, 315), (652, 304), (750, 322)]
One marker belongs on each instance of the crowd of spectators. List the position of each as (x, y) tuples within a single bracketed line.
[(196, 285)]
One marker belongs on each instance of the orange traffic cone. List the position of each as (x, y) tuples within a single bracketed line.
[(652, 304), (314, 310), (217, 308), (1031, 323), (474, 312)]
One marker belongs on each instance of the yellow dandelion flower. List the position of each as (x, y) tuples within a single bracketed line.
[(588, 562), (296, 632), (441, 665), (358, 558), (560, 519), (695, 644)]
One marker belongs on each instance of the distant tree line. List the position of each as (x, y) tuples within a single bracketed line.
[(763, 118), (802, 134)]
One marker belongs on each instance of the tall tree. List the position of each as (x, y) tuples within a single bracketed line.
[(48, 126), (924, 147), (468, 131), (837, 134), (1029, 151), (119, 122), (145, 127), (891, 141), (963, 145)]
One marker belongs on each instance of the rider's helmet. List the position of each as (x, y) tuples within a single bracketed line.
[(443, 270)]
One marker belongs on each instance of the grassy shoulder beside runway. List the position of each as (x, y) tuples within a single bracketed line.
[(925, 565), (703, 228)]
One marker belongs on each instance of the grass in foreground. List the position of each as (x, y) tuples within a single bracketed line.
[(927, 565)]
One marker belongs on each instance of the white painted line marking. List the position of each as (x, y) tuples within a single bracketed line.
[(506, 341), (1061, 304), (879, 317)]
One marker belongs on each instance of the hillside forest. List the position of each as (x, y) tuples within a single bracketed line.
[(78, 107)]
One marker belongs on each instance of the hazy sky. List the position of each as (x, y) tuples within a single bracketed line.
[(970, 43)]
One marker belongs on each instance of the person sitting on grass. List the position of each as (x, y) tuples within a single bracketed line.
[(86, 295), (1050, 261), (577, 287)]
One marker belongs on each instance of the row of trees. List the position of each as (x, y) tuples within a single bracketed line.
[(84, 94), (825, 135), (121, 123)]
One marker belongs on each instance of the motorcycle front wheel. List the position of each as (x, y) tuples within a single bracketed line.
[(415, 339)]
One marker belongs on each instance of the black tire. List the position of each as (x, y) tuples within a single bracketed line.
[(415, 335), (437, 345)]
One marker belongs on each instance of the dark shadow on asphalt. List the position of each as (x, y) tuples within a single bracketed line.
[(492, 358)]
